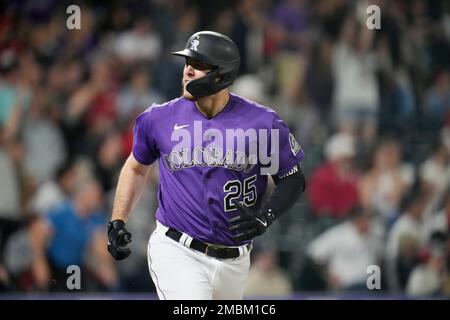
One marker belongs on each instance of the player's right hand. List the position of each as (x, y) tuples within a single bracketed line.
[(118, 239)]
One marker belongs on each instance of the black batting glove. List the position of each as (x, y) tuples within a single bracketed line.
[(118, 239), (249, 223)]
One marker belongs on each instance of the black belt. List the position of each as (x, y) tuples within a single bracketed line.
[(215, 251)]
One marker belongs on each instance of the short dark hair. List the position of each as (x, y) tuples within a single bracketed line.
[(65, 167), (412, 197), (358, 212)]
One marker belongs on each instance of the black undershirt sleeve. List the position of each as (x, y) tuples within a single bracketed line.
[(287, 190)]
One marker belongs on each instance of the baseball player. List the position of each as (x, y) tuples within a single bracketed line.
[(215, 151)]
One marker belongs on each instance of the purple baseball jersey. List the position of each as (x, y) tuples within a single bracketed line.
[(207, 164)]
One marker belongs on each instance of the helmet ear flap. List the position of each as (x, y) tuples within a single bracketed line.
[(205, 86), (220, 78)]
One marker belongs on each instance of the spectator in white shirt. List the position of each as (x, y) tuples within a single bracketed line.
[(427, 279), (53, 192), (435, 176), (139, 43), (404, 240), (347, 250)]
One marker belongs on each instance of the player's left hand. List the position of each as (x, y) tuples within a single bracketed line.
[(249, 223)]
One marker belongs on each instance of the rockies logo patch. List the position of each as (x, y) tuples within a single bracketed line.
[(295, 146), (195, 43)]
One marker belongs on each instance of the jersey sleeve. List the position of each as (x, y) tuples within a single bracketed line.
[(290, 153), (144, 146)]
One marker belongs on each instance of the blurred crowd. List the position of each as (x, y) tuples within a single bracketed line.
[(371, 109)]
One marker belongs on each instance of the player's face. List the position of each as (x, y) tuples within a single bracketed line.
[(193, 69)]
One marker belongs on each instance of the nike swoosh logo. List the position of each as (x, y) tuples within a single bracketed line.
[(263, 223), (177, 127)]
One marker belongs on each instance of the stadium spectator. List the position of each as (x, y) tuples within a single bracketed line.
[(426, 279), (333, 187), (354, 65), (67, 236), (434, 174), (439, 221), (437, 100), (266, 278), (346, 250), (404, 241), (387, 181), (52, 192)]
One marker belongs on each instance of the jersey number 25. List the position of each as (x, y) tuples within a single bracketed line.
[(235, 189)]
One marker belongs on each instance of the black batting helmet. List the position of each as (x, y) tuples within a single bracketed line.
[(217, 50)]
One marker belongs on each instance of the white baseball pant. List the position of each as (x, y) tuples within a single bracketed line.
[(181, 273)]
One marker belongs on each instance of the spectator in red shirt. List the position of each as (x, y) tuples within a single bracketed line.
[(333, 185)]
